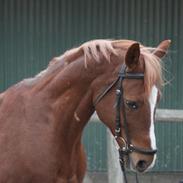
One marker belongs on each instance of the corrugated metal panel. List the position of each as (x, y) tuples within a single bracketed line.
[(32, 32), (95, 143)]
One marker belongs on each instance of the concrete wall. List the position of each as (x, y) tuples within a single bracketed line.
[(95, 177)]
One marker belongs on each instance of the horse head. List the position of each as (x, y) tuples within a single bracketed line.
[(138, 71)]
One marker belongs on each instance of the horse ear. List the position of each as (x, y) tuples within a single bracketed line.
[(132, 56), (162, 48)]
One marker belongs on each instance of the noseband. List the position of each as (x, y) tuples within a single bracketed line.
[(128, 146)]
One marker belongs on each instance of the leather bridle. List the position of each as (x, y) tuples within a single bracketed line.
[(120, 103)]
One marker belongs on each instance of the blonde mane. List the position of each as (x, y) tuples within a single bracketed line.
[(94, 49), (104, 48), (153, 70)]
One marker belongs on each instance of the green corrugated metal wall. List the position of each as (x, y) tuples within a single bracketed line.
[(34, 31)]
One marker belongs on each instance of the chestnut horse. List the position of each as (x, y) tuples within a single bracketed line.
[(42, 118)]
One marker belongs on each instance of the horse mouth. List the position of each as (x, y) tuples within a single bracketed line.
[(131, 166), (140, 166)]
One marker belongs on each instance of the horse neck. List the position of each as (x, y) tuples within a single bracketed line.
[(71, 96)]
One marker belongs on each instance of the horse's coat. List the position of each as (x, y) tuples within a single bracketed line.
[(42, 118)]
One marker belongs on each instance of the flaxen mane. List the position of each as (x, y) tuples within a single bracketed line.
[(104, 48), (97, 48)]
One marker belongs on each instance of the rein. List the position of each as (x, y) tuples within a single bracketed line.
[(128, 146)]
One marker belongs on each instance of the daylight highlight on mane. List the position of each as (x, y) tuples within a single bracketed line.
[(153, 69), (92, 50), (97, 49), (101, 50)]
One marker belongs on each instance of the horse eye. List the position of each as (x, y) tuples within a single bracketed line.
[(132, 105)]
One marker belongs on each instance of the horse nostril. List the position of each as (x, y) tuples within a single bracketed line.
[(141, 165)]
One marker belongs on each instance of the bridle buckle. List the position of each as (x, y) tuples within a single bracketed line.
[(125, 147)]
